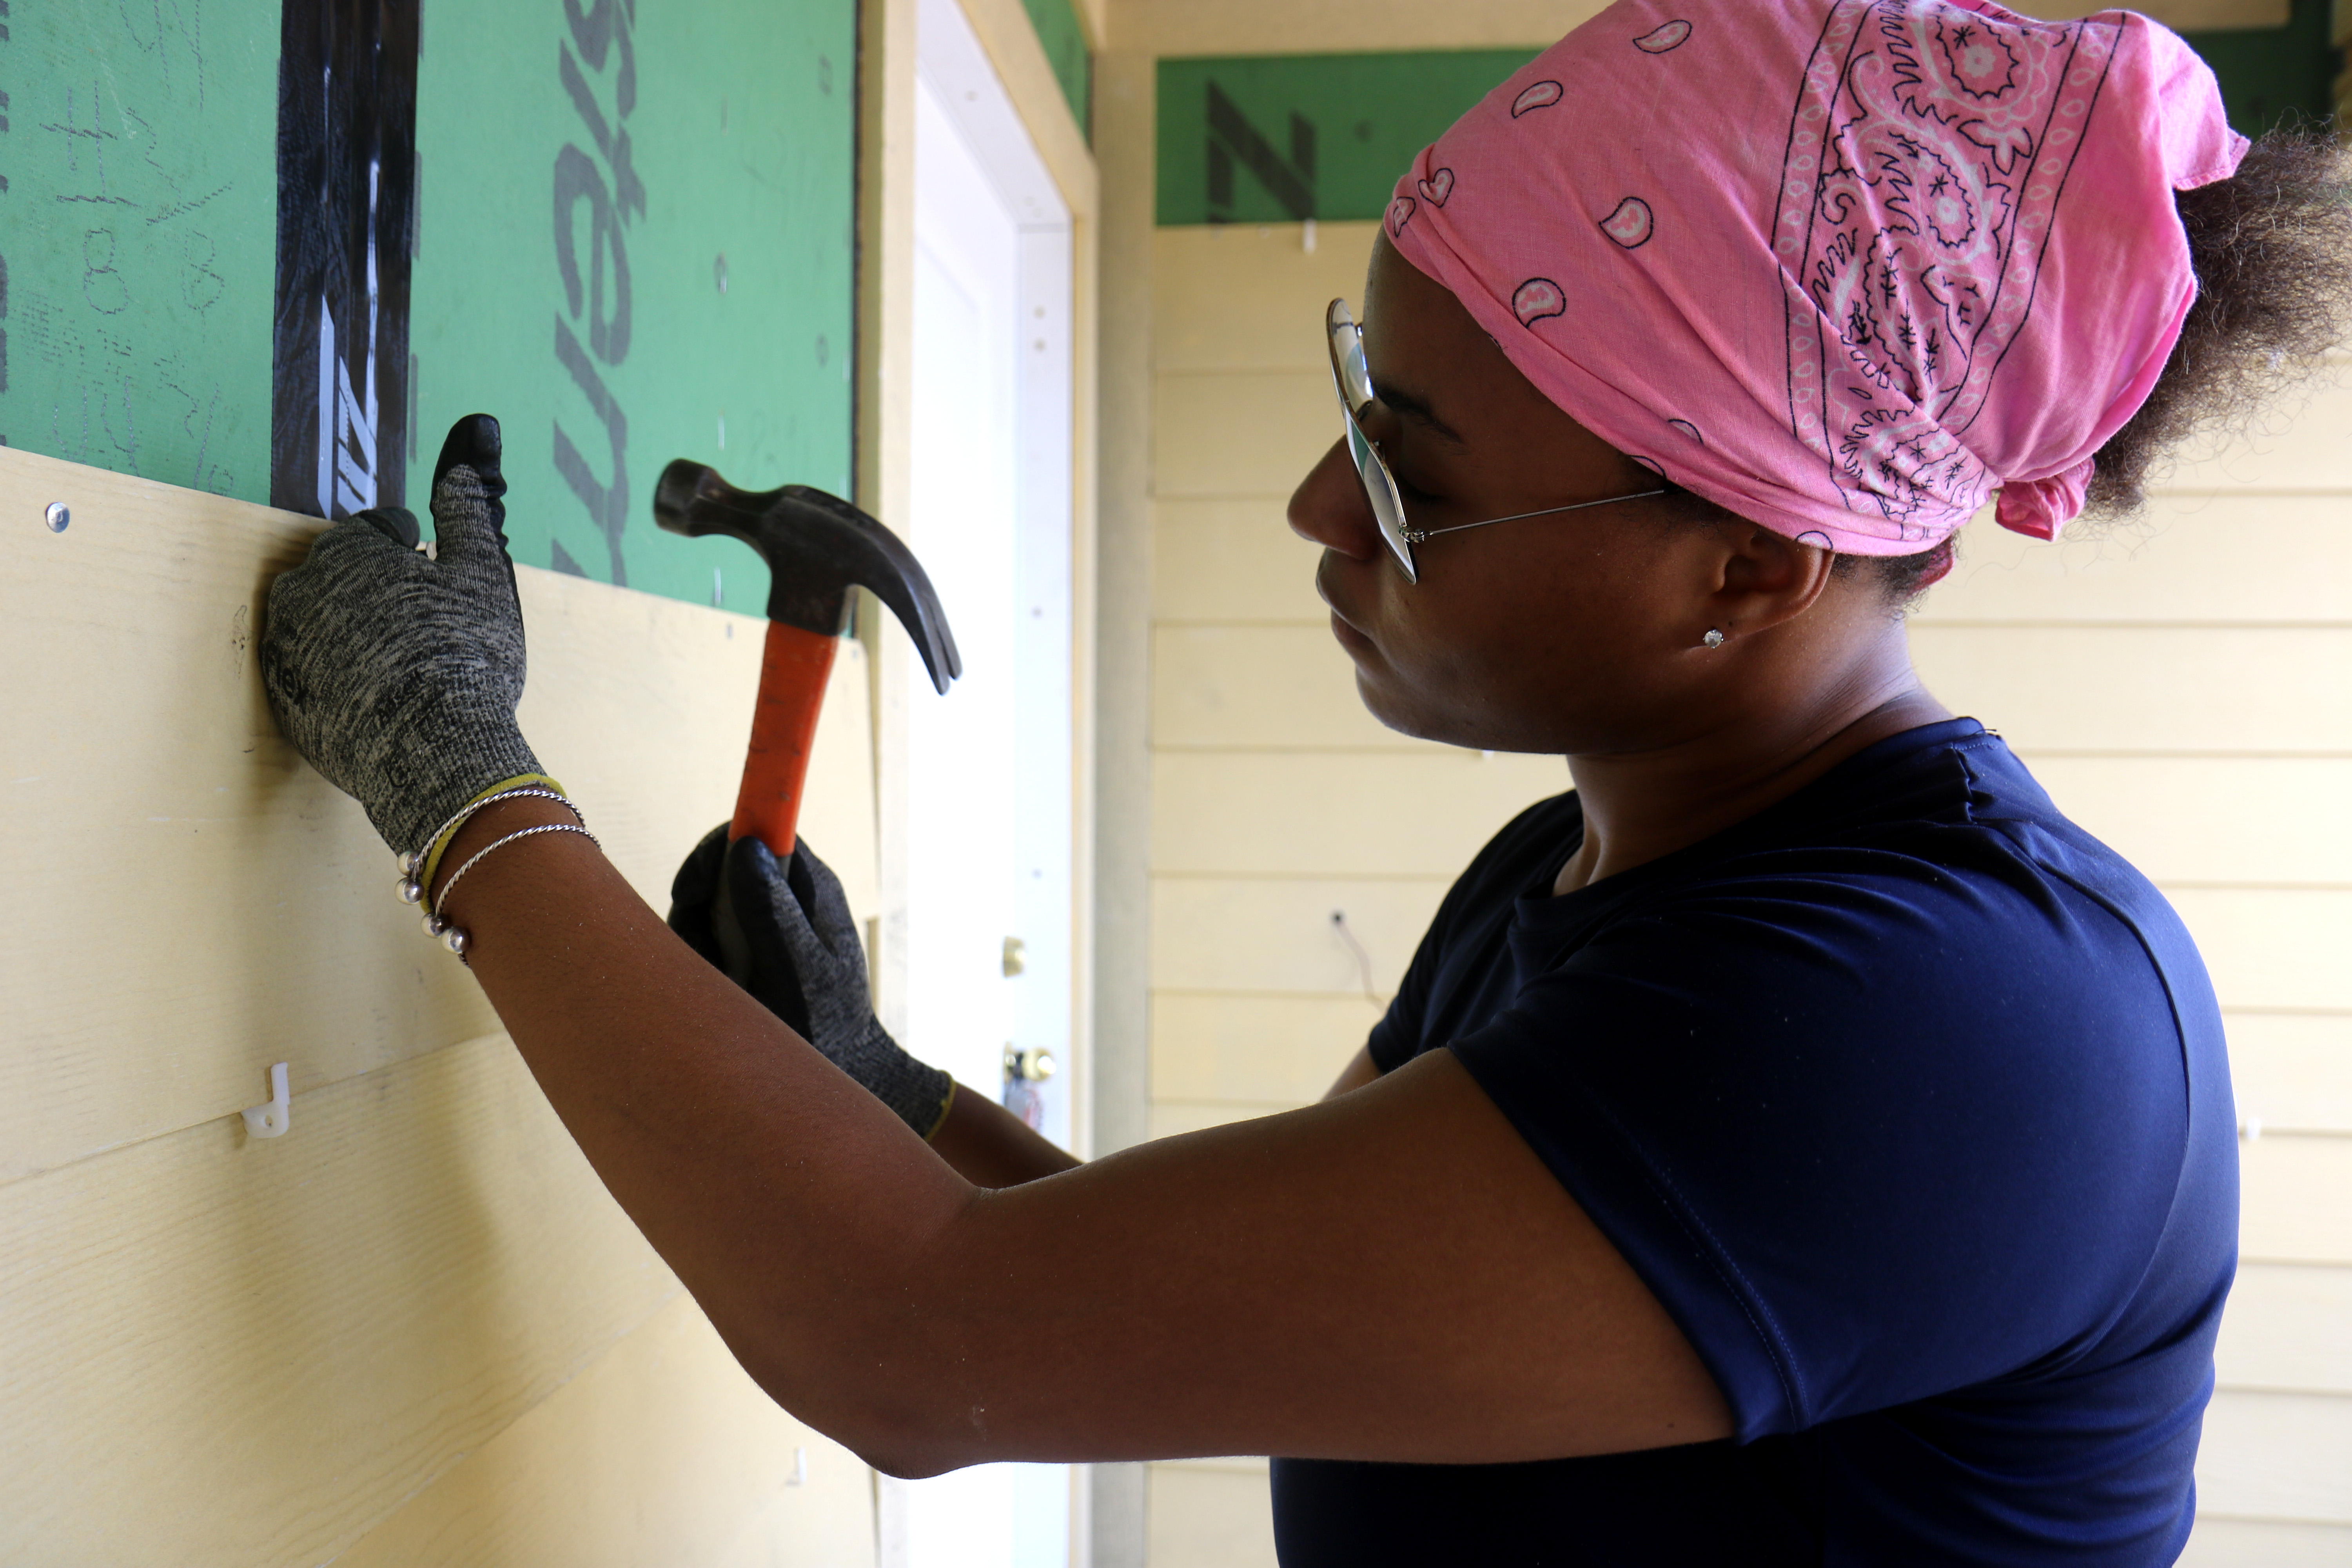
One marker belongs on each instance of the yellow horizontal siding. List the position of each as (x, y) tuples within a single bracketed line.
[(2188, 559), (2266, 1544), (264, 1347), (1423, 813), (1227, 1049), (2272, 947), (2144, 688), (2296, 1201), (1232, 561), (1215, 933), (1206, 1517), (2272, 820), (661, 1452), (2293, 1072), (2289, 1327), (254, 1352), (2276, 1456)]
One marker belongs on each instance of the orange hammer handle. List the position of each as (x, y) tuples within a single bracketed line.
[(793, 674)]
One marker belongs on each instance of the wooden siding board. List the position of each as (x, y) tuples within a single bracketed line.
[(2216, 819), (1254, 1050), (2272, 948), (2278, 1456), (1274, 687), (2293, 1073), (663, 1451), (2296, 1205), (1232, 561), (1250, 298), (208, 905), (1221, 934), (1217, 434), (303, 1331), (1315, 814), (2185, 561), (1171, 1118), (2155, 688), (1205, 1518), (2044, 689), (2303, 447), (2288, 1326), (2266, 1544)]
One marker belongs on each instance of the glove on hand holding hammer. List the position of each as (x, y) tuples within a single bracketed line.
[(785, 933), (396, 676)]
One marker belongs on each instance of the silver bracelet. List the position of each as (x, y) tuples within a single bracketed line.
[(437, 924), (412, 865)]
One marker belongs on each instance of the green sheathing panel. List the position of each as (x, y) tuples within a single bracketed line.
[(710, 219), (2269, 74), (1278, 137), (1058, 29), (138, 234)]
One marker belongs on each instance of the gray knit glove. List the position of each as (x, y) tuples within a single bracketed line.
[(785, 935), (395, 675)]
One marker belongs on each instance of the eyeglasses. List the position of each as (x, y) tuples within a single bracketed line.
[(1353, 379)]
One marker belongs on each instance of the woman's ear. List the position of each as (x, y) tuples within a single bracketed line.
[(1768, 579)]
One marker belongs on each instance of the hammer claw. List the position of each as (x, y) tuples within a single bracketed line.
[(816, 546)]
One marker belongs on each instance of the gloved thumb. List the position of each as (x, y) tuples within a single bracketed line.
[(469, 503), (397, 523)]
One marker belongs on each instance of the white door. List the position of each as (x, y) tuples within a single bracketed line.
[(989, 845)]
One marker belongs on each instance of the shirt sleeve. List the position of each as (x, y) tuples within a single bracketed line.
[(1871, 1130)]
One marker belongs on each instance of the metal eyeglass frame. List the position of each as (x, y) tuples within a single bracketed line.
[(1352, 376)]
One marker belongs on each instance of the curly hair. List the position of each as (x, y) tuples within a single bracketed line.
[(2271, 250)]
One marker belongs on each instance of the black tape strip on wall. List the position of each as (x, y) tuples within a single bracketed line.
[(346, 227)]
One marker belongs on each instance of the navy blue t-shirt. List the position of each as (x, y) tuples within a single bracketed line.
[(1906, 1098)]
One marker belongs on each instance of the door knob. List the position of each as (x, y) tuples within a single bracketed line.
[(1035, 1064)]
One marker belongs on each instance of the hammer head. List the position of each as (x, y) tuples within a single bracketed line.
[(816, 546)]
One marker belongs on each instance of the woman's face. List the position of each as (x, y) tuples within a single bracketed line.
[(1574, 633)]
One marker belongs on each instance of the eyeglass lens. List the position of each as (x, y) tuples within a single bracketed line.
[(1352, 376)]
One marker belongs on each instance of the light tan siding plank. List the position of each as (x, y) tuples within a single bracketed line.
[(2309, 435), (1254, 1050), (2213, 819), (1210, 1518), (1168, 1118), (1240, 434), (2288, 1327), (1232, 561), (2272, 948), (2265, 1543), (2278, 1456), (1214, 934), (1326, 814), (1274, 688), (265, 1346), (2146, 689), (2296, 1203), (1239, 297), (2293, 1072), (2190, 558), (661, 1452), (206, 904)]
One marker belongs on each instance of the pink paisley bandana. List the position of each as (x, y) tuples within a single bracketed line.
[(1844, 266)]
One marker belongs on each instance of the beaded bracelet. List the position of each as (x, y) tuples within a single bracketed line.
[(437, 924), (412, 888)]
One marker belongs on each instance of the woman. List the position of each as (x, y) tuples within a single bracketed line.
[(1799, 1144)]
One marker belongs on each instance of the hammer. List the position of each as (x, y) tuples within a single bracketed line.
[(816, 547)]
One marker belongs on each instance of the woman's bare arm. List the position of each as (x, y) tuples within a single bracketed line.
[(989, 1146), (1392, 1274)]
